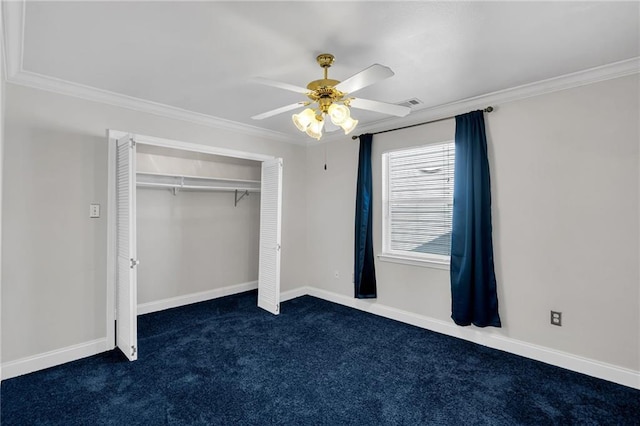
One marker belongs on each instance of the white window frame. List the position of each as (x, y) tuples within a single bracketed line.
[(428, 260)]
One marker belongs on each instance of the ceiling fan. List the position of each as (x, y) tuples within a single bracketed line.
[(331, 98)]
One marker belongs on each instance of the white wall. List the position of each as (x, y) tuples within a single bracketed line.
[(565, 182), (154, 159), (54, 256), (195, 241)]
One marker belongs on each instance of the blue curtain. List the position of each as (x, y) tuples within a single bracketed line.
[(473, 279), (365, 272)]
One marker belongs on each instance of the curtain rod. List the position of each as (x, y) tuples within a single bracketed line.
[(487, 109)]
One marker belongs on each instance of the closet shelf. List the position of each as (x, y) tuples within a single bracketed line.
[(198, 183)]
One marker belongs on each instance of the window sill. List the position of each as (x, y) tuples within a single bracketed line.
[(414, 261)]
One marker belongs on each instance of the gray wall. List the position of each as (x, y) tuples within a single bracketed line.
[(54, 256), (565, 172), (194, 241), (565, 181)]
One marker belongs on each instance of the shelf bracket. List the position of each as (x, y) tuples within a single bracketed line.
[(244, 194), (175, 188)]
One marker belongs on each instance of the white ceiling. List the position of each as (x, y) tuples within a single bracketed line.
[(200, 56)]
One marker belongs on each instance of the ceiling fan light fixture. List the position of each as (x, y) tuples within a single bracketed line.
[(348, 125), (315, 128), (332, 98), (338, 113), (304, 119)]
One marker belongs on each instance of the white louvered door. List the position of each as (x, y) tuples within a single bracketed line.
[(270, 219), (126, 275)]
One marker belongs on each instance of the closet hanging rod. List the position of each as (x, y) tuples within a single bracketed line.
[(203, 187), (194, 177)]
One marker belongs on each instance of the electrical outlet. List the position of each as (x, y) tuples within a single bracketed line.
[(556, 318), (94, 210)]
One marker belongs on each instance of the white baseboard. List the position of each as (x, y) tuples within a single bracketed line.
[(554, 357), (292, 294), (82, 350), (565, 360), (52, 358), (174, 302)]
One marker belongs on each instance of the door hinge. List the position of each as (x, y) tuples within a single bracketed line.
[(133, 350), (132, 143), (133, 263), (278, 247)]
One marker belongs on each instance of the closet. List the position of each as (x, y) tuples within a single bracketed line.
[(198, 225), (193, 222)]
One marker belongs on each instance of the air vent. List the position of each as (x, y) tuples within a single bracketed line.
[(411, 103)]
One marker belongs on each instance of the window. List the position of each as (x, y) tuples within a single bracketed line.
[(418, 204)]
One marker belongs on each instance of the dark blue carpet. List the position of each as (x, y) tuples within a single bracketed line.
[(228, 362)]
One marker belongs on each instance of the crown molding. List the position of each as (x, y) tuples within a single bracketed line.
[(14, 16), (13, 35), (52, 84), (495, 99)]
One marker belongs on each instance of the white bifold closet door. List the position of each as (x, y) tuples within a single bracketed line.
[(126, 274), (270, 218)]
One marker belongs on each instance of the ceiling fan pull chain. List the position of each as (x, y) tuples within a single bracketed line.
[(325, 156)]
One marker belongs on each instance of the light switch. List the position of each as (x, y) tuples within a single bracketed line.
[(94, 210)]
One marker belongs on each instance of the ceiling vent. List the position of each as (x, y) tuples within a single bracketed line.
[(411, 103)]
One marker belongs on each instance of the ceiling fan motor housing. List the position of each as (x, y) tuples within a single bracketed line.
[(323, 91), (325, 60)]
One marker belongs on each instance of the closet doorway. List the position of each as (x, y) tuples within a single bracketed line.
[(126, 176)]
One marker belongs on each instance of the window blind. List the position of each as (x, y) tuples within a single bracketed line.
[(420, 199)]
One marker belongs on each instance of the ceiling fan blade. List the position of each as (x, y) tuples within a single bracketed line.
[(364, 78), (382, 107), (279, 110), (280, 85)]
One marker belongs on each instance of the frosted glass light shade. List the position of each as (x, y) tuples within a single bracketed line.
[(304, 119), (315, 128), (348, 125), (338, 114)]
